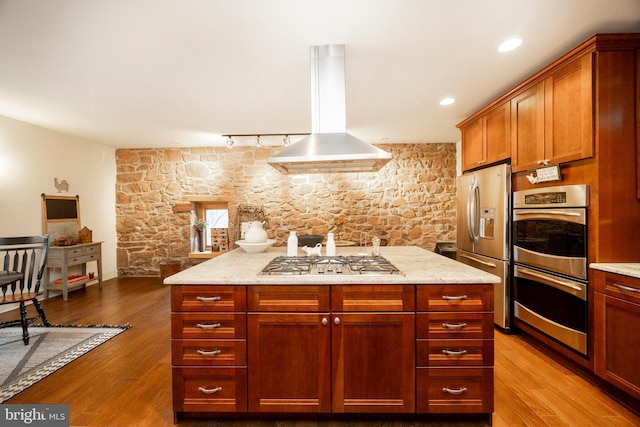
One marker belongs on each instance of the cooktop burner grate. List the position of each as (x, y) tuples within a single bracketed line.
[(330, 265)]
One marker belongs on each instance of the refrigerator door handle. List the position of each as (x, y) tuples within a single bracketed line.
[(473, 211), (479, 261)]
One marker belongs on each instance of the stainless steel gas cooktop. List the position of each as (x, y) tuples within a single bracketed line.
[(330, 265)]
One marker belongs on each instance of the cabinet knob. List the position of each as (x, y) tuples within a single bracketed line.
[(325, 321), (336, 320)]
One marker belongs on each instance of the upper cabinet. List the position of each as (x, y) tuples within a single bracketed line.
[(552, 121), (486, 140)]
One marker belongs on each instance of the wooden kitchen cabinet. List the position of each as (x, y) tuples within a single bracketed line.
[(373, 342), (454, 345), (208, 348), (301, 354), (487, 139), (289, 349), (617, 330), (324, 349), (552, 120)]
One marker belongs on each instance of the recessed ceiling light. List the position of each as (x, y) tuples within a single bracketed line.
[(509, 45), (447, 101)]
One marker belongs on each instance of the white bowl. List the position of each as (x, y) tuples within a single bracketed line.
[(255, 248)]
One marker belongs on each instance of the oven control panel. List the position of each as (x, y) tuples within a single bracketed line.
[(552, 197), (546, 198)]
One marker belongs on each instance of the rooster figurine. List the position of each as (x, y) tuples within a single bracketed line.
[(61, 185)]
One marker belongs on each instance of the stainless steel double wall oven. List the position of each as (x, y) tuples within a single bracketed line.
[(550, 262)]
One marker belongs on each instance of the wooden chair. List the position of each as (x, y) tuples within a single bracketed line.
[(28, 257)]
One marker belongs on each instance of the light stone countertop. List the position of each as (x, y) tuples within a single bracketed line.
[(419, 266), (626, 269)]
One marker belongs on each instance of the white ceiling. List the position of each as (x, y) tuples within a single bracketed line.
[(161, 73)]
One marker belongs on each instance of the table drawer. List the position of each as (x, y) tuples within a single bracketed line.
[(209, 352), (454, 297), (208, 325), (75, 260), (208, 298), (454, 390), (209, 389), (464, 325), (432, 353)]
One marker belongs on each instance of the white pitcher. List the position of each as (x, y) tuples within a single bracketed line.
[(255, 233)]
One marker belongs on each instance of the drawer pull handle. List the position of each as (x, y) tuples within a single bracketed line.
[(456, 298), (454, 352), (210, 391), (456, 326), (208, 353), (208, 299), (214, 326), (626, 288), (454, 391)]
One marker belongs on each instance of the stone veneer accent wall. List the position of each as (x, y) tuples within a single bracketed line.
[(411, 201)]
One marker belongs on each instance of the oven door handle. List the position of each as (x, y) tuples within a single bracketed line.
[(549, 213), (552, 281)]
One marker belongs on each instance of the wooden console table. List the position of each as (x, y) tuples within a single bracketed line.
[(63, 257)]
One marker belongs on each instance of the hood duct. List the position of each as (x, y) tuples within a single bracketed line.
[(329, 148)]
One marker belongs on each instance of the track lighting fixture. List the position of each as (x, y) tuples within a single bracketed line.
[(286, 140)]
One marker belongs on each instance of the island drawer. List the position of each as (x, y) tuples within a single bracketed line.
[(464, 325), (209, 389), (208, 325), (209, 352), (311, 298), (454, 297), (430, 353), (208, 298), (373, 298), (454, 390)]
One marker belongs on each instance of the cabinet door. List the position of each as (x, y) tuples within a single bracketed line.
[(497, 134), (373, 362), (473, 144), (289, 362), (617, 342), (527, 128), (569, 112), (487, 140)]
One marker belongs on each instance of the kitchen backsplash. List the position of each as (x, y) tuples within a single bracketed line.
[(411, 201)]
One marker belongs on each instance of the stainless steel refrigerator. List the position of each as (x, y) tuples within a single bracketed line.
[(484, 230)]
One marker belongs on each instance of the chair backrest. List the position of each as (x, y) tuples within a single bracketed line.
[(27, 255)]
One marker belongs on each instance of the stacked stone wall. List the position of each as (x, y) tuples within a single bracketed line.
[(411, 201)]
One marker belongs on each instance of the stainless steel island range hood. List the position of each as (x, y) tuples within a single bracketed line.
[(329, 148)]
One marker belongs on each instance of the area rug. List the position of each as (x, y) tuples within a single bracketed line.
[(49, 349)]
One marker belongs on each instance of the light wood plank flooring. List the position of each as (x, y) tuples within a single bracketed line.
[(127, 381)]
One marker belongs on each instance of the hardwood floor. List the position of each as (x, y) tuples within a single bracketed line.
[(127, 380)]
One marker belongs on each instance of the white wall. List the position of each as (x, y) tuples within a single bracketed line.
[(30, 158)]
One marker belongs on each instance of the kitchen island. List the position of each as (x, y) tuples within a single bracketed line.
[(247, 344)]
